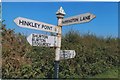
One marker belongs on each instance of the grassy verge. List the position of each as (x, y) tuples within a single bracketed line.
[(112, 73)]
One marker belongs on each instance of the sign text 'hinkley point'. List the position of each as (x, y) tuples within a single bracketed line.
[(27, 23), (82, 18), (42, 40)]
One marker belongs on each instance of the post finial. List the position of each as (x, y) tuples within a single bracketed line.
[(60, 12)]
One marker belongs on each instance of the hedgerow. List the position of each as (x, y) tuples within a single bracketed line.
[(94, 55)]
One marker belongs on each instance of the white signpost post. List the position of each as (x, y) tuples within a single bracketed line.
[(42, 40), (32, 24), (67, 54), (82, 18), (53, 41)]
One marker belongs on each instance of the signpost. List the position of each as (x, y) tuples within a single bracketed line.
[(67, 54), (82, 18), (53, 41), (42, 40), (32, 24), (60, 15)]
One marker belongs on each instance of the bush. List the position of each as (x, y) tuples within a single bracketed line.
[(94, 55)]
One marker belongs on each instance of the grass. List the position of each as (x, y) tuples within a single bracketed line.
[(112, 73)]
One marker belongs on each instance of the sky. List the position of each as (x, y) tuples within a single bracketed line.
[(52, 0), (105, 24)]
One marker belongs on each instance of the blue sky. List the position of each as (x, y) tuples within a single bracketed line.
[(105, 23), (53, 0)]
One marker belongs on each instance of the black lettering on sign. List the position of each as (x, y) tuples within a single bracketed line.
[(34, 43), (37, 43), (43, 36), (74, 19), (21, 22), (64, 55), (40, 40), (69, 55), (70, 20), (47, 27), (39, 36), (81, 18), (34, 35), (28, 23), (33, 39), (88, 17), (46, 44), (85, 18)]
